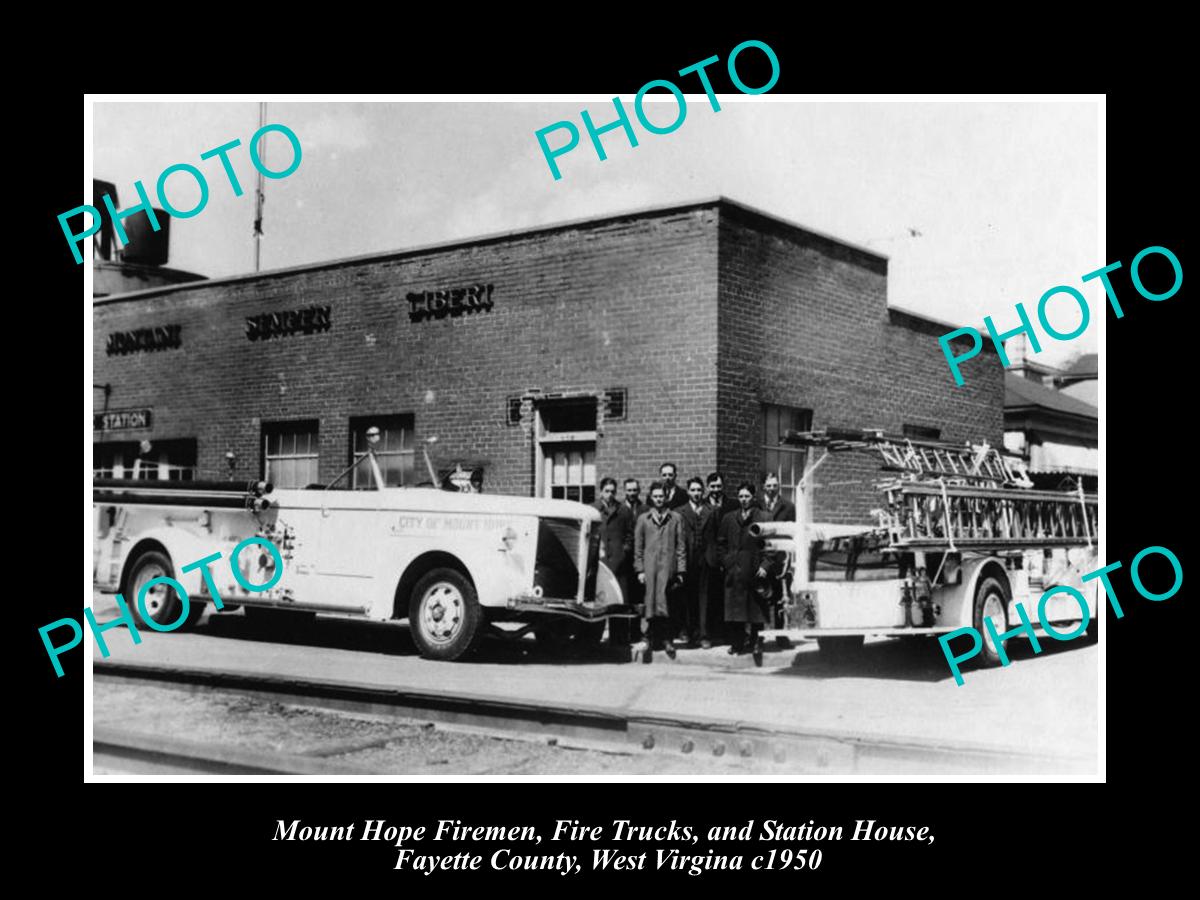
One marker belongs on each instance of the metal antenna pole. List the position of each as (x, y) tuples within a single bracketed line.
[(258, 194)]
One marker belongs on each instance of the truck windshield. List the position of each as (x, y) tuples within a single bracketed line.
[(366, 476)]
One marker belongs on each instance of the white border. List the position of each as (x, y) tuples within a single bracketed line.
[(91, 99)]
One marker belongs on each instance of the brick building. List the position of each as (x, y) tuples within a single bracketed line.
[(549, 357)]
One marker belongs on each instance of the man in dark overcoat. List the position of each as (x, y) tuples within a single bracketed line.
[(721, 505), (660, 560), (746, 566), (633, 499), (625, 631), (696, 515), (616, 535)]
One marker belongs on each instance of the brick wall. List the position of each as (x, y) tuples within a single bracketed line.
[(627, 302), (592, 307), (803, 322)]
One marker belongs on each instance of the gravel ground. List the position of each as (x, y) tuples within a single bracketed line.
[(387, 745)]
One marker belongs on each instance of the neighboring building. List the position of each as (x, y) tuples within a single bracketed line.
[(1050, 416), (1054, 432), (141, 263), (1020, 362), (1081, 379), (550, 357)]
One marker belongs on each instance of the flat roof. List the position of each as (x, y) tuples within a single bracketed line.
[(494, 237)]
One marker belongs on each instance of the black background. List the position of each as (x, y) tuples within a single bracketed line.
[(1002, 832)]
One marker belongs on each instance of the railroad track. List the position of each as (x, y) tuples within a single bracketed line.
[(118, 750), (813, 751)]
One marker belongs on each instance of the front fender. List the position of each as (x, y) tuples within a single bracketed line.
[(608, 588), (183, 548), (971, 577)]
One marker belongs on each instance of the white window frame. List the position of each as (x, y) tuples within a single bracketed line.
[(363, 473), (798, 455), (584, 441), (277, 429)]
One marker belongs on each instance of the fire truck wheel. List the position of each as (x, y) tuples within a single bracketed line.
[(991, 601), (163, 603), (444, 615), (839, 647)]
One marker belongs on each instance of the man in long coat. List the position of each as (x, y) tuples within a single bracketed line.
[(616, 535), (696, 515), (625, 631), (745, 567), (660, 560), (720, 504)]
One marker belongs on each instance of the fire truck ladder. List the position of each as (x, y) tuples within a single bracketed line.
[(924, 516), (965, 463), (950, 496)]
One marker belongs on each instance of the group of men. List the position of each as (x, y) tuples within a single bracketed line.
[(688, 559)]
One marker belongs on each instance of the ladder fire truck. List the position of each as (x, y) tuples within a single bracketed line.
[(962, 535)]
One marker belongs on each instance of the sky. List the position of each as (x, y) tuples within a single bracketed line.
[(977, 205)]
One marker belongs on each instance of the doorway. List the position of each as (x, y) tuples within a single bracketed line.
[(566, 449)]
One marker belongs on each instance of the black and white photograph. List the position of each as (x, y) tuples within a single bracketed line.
[(678, 436)]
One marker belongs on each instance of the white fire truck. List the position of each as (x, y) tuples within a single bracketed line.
[(962, 536), (454, 564)]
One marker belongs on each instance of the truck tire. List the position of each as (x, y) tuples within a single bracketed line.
[(991, 601), (840, 647), (444, 615), (163, 604)]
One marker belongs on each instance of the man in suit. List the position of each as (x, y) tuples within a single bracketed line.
[(696, 515), (774, 504), (716, 495), (675, 495), (715, 595), (633, 499)]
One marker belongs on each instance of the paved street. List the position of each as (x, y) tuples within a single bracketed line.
[(1040, 704)]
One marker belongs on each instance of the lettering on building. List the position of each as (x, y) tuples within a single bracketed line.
[(164, 337), (312, 320), (121, 420), (427, 305)]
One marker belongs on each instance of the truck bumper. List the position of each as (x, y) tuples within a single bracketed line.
[(571, 608)]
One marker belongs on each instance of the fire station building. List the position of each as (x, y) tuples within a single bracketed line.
[(549, 358)]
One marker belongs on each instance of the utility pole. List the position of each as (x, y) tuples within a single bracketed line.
[(258, 193)]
